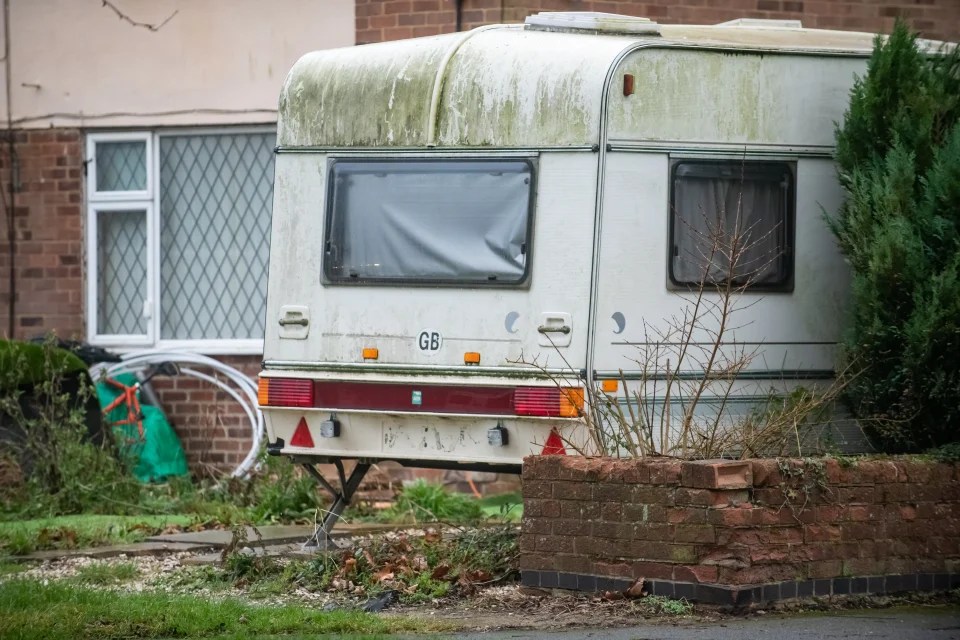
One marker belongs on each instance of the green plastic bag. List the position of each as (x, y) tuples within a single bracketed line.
[(154, 455)]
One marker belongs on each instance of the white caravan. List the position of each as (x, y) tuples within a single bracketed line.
[(451, 211)]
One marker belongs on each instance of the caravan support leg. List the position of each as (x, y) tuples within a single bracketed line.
[(321, 538)]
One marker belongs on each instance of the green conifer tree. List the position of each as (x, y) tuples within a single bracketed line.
[(898, 156)]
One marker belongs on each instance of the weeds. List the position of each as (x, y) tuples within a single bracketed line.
[(63, 458), (103, 574), (801, 482), (506, 507), (423, 501), (278, 491), (660, 605)]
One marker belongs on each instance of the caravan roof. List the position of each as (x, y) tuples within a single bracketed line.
[(538, 84)]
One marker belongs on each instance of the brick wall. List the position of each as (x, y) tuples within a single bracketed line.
[(740, 532), (381, 20), (212, 426), (48, 198)]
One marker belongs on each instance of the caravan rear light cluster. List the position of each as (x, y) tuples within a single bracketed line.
[(335, 395), (550, 402), (285, 392)]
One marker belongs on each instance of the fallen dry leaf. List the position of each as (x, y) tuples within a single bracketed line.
[(440, 571), (386, 573), (466, 586), (636, 589), (481, 575)]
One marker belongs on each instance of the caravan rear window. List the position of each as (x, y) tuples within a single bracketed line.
[(429, 221), (732, 220)]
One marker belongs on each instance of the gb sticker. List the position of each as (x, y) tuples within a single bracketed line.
[(429, 341)]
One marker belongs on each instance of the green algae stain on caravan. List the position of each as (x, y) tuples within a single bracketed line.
[(360, 97)]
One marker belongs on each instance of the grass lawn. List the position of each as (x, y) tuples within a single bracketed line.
[(505, 506), (30, 610), (71, 532)]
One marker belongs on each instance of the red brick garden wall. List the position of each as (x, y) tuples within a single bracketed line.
[(718, 530), (381, 20), (48, 211)]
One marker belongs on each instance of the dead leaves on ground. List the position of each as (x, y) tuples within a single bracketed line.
[(406, 565), (634, 591)]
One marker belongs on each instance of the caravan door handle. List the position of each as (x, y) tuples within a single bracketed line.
[(294, 322), (555, 329), (562, 329)]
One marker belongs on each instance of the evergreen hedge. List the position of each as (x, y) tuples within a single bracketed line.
[(898, 156)]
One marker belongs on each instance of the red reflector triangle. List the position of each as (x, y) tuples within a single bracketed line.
[(554, 445), (301, 435)]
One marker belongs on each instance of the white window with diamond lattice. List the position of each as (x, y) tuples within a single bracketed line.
[(178, 238)]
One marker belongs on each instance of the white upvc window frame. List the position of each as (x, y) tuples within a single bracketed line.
[(126, 196), (149, 201), (93, 255)]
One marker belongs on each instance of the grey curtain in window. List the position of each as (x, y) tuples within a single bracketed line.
[(718, 219), (457, 221)]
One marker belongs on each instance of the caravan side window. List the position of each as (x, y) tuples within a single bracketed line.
[(732, 221), (429, 221)]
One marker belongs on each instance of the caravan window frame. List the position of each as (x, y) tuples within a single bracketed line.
[(327, 278), (782, 166)]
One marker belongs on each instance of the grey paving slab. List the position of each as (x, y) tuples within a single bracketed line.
[(272, 534), (290, 550), (293, 550), (269, 534), (135, 549)]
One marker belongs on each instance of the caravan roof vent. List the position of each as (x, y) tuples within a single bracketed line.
[(763, 23), (592, 22)]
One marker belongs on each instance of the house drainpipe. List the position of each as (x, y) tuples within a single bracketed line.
[(459, 8), (12, 153)]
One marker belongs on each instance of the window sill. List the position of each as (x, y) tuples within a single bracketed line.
[(202, 347)]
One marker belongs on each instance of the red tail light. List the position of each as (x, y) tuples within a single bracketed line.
[(285, 392), (552, 402)]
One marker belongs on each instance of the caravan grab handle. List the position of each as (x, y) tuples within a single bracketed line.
[(545, 329), (299, 321)]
